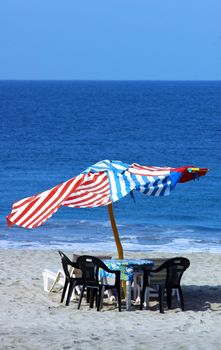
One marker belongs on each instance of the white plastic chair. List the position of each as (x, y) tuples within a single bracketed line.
[(56, 277)]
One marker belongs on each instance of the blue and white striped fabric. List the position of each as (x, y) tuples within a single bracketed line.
[(124, 178)]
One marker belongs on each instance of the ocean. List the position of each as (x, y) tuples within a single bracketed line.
[(53, 130)]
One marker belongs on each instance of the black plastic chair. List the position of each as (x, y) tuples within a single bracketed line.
[(90, 266), (173, 269), (70, 281)]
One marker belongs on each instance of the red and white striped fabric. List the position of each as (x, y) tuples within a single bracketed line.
[(149, 170), (83, 191), (99, 185)]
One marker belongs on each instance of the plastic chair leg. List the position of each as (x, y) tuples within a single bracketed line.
[(181, 298), (169, 298), (99, 298), (176, 293), (77, 290), (143, 293), (45, 282), (119, 298), (161, 297), (81, 296), (88, 295), (64, 290), (136, 285), (92, 296), (128, 295), (147, 298), (70, 291), (102, 297), (142, 297)]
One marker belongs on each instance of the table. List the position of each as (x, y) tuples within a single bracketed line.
[(127, 267)]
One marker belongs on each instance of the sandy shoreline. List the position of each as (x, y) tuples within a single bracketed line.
[(32, 319)]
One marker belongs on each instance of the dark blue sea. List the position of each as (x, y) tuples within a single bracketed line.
[(53, 130)]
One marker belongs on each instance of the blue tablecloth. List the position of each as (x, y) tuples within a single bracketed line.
[(126, 267)]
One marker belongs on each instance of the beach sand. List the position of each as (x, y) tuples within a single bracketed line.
[(33, 319)]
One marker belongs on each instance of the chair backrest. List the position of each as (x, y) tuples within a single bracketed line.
[(106, 257), (67, 264), (159, 277), (89, 266), (175, 268)]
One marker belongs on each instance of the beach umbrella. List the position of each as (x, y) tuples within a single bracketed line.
[(101, 184)]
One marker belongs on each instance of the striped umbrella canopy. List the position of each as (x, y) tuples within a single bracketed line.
[(100, 185)]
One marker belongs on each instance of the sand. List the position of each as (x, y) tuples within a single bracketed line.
[(33, 319)]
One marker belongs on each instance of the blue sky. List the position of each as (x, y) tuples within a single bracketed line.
[(110, 39)]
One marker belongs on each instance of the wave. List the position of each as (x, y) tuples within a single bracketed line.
[(178, 245), (92, 235)]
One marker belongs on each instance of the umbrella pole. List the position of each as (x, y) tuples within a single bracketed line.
[(117, 238), (115, 232)]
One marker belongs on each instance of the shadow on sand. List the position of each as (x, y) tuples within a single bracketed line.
[(202, 298), (196, 298)]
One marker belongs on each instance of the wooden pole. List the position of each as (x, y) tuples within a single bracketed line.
[(115, 232), (117, 239)]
